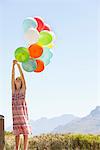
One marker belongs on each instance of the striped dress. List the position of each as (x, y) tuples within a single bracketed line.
[(20, 114)]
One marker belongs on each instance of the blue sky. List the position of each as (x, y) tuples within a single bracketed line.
[(70, 83)]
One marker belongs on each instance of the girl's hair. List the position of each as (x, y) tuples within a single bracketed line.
[(18, 78)]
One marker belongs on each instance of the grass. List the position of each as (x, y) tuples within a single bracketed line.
[(57, 142)]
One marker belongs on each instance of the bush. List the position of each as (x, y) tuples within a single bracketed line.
[(57, 142)]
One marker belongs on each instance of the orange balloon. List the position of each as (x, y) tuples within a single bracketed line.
[(40, 66), (35, 50)]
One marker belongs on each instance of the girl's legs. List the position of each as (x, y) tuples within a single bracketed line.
[(17, 139), (25, 142)]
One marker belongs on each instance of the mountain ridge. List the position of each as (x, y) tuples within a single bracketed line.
[(88, 124)]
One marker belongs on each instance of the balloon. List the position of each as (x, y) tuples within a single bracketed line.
[(45, 38), (46, 56), (29, 23), (22, 54), (53, 35), (30, 65), (35, 50), (47, 61), (46, 51), (46, 27), (51, 45), (31, 36), (40, 23), (40, 66)]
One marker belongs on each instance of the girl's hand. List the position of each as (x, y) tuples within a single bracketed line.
[(14, 61), (17, 63)]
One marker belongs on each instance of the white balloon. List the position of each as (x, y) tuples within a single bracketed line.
[(31, 36)]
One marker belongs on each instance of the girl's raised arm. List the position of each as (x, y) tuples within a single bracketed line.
[(22, 76), (13, 77)]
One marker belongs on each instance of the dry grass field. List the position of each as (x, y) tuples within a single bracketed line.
[(57, 142)]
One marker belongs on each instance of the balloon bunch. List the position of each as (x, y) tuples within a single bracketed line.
[(40, 40)]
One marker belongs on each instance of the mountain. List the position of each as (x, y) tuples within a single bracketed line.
[(89, 124), (45, 125)]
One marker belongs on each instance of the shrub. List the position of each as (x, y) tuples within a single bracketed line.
[(57, 142)]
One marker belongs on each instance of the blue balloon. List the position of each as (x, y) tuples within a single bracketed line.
[(30, 65), (46, 56), (29, 23)]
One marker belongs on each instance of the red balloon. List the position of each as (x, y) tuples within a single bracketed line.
[(35, 50), (40, 66), (40, 24), (46, 27)]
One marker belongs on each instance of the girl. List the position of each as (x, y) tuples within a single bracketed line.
[(19, 107)]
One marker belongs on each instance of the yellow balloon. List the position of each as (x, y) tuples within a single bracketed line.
[(50, 45), (39, 44)]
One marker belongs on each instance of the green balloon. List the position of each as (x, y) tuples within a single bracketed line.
[(45, 38), (22, 54), (30, 65)]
